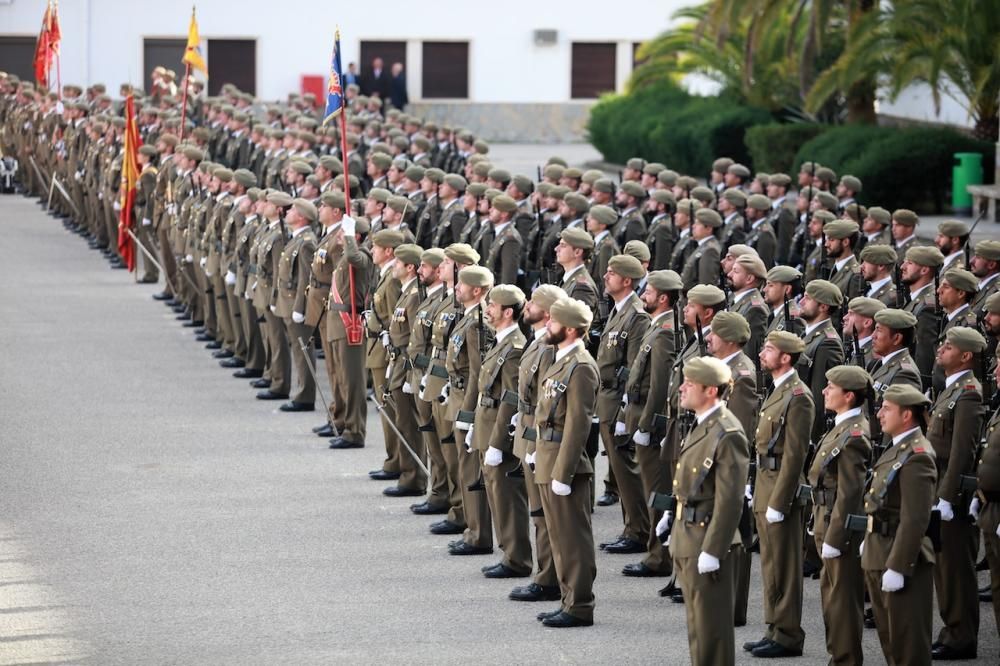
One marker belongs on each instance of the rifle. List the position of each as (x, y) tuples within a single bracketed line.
[(702, 350), (968, 243), (824, 271), (937, 303), (902, 295), (538, 173), (787, 312)]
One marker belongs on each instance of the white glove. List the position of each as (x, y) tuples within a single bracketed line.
[(274, 309), (188, 258), (349, 225), (974, 507), (407, 388), (444, 391), (172, 208), (530, 458), (829, 552), (203, 261), (774, 516), (560, 488), (230, 278), (78, 177), (385, 340), (707, 563), (100, 196), (861, 548), (146, 222), (468, 437), (625, 400), (298, 317), (998, 530), (947, 512), (664, 524), (117, 205), (514, 420), (892, 581), (641, 438), (748, 493), (620, 429), (493, 457), (60, 109)]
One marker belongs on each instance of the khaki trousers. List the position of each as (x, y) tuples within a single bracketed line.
[(572, 538)]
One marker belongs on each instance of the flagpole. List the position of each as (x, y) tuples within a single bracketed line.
[(58, 60), (184, 98)]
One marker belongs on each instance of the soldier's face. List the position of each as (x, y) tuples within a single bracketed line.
[(694, 396), (883, 340), (615, 284), (693, 313), (869, 271), (771, 358), (401, 271), (951, 358), (494, 314), (380, 254), (834, 398), (740, 278), (713, 342), (910, 272), (556, 332), (815, 228), (901, 231), (949, 297), (428, 274), (891, 417), (650, 299), (532, 314), (991, 322), (809, 307)]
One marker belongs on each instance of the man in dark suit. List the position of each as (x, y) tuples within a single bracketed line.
[(376, 81), (397, 87)]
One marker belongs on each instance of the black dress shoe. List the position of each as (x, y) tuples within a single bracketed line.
[(548, 614), (565, 620), (232, 362), (625, 546), (946, 652), (163, 296), (678, 596), (223, 353), (203, 337), (640, 570), (382, 475), (810, 570), (179, 308), (324, 431), (171, 302), (446, 527), (669, 589), (268, 394), (607, 499), (341, 443), (750, 646), (261, 383), (772, 650), (869, 618), (194, 323), (214, 344), (428, 509), (463, 548), (248, 373), (986, 594), (535, 592), (605, 544), (183, 316), (146, 280), (297, 406), (396, 491), (503, 571)]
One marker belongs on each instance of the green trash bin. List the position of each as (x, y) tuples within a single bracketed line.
[(968, 170)]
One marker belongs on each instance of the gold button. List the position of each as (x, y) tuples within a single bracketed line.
[(675, 482), (694, 470)]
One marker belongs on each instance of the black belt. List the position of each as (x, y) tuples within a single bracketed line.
[(316, 283), (823, 497), (550, 434), (692, 516), (882, 527), (525, 408)]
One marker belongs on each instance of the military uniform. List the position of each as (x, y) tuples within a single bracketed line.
[(605, 247), (824, 350), (848, 278), (751, 305), (292, 281), (246, 273), (325, 259), (923, 307), (763, 239), (268, 263), (384, 298), (579, 285), (988, 494), (401, 323), (704, 263), (505, 253)]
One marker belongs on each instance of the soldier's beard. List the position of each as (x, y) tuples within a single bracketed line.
[(557, 337)]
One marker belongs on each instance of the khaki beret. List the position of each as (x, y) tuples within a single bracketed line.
[(866, 307), (709, 218), (707, 371), (576, 201), (879, 255), (637, 249), (626, 266), (825, 292), (824, 216), (333, 200), (880, 215), (961, 279), (194, 153), (737, 250), (476, 276), (245, 177), (780, 179), (722, 164), (559, 191), (827, 200), (306, 208), (905, 217), (953, 228), (759, 202), (255, 194), (731, 327), (590, 175), (898, 320), (331, 164), (169, 139), (827, 174), (415, 173), (738, 170), (481, 146), (688, 206), (753, 264), (279, 199), (301, 167), (201, 133), (434, 175), (554, 171), (905, 395), (547, 294), (636, 163), (686, 183), (665, 197), (422, 143), (556, 159), (993, 304), (966, 339), (572, 172), (223, 174), (605, 185), (735, 196), (507, 295), (380, 194), (703, 194), (380, 160), (409, 253), (665, 280), (148, 151), (633, 189), (988, 249), (927, 255), (603, 215), (783, 274), (577, 237), (462, 253), (762, 178), (390, 238), (840, 229), (476, 189), (706, 294), (852, 183), (398, 203), (849, 377), (523, 184), (653, 168), (504, 203), (571, 313), (786, 342), (668, 177), (498, 174), (432, 257), (456, 182)]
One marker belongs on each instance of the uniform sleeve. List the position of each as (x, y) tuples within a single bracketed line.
[(795, 446), (510, 259), (581, 399), (500, 439), (742, 402), (661, 357), (766, 249), (730, 469), (471, 399), (916, 481), (852, 466), (305, 259), (967, 418), (709, 266)]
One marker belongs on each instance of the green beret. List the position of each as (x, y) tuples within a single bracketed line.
[(603, 215), (573, 172), (415, 173), (653, 168), (456, 182), (331, 164), (626, 266), (499, 175), (665, 197), (827, 174), (559, 191), (591, 175), (961, 279), (738, 170), (779, 179), (306, 209), (704, 195), (722, 164), (824, 216), (753, 265), (301, 167), (848, 377), (953, 228), (547, 294), (665, 280), (993, 304), (879, 255), (633, 189), (686, 183), (636, 163), (422, 143), (507, 295), (432, 257), (380, 160), (556, 159), (577, 237), (148, 151), (409, 253), (390, 238), (880, 215), (988, 249), (706, 294), (926, 255), (866, 307), (825, 292), (554, 171), (400, 141), (637, 249), (481, 146), (245, 177), (170, 139), (827, 200), (905, 395), (223, 174), (333, 200), (476, 276), (852, 183), (735, 196), (398, 203), (380, 194), (759, 202), (731, 327), (762, 178), (577, 202), (255, 194), (571, 313), (462, 253), (905, 217), (966, 339), (707, 371), (605, 185), (475, 189), (279, 199), (492, 193), (523, 184), (786, 342), (686, 206), (897, 320), (737, 250), (504, 203), (194, 153), (435, 175), (840, 229), (709, 218), (668, 177)]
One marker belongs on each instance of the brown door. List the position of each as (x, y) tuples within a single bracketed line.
[(232, 61), (390, 52), (446, 70), (162, 52), (593, 70), (18, 56)]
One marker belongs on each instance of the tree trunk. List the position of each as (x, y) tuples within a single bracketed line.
[(860, 98)]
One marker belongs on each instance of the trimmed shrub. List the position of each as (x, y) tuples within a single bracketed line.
[(773, 147)]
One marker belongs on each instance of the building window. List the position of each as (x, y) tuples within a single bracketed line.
[(232, 61), (18, 56), (162, 53), (593, 70), (446, 70)]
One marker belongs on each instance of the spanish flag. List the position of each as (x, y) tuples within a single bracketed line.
[(130, 178), (192, 53)]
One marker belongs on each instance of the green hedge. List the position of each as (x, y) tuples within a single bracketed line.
[(773, 147), (899, 168), (663, 123)]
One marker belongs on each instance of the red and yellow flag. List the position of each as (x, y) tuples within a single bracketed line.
[(47, 46), (192, 52), (130, 177)]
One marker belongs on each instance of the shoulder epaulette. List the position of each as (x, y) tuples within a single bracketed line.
[(798, 390)]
